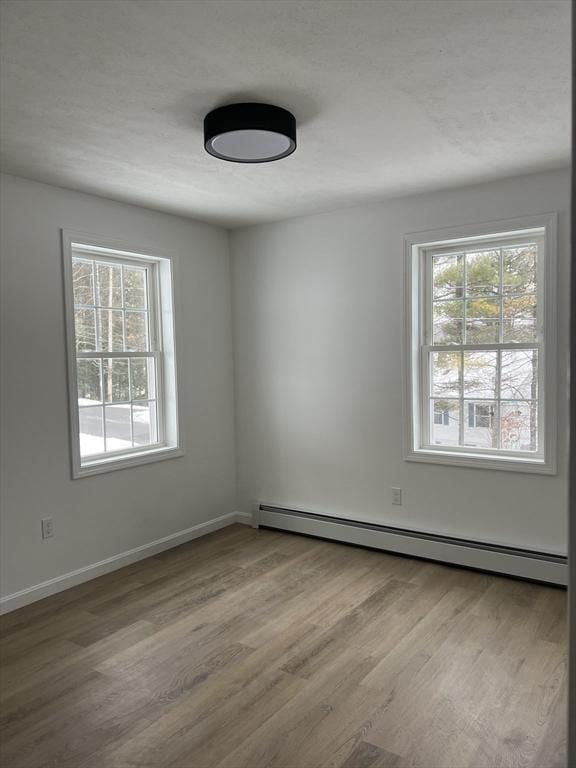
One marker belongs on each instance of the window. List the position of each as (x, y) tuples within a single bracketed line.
[(121, 356), (480, 346)]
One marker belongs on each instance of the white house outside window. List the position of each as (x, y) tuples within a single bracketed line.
[(480, 346), (120, 318)]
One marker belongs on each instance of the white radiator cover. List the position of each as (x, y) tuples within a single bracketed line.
[(508, 561)]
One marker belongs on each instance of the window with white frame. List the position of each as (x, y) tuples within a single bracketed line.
[(121, 356), (479, 347)]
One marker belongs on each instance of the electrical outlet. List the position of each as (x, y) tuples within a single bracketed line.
[(396, 496), (47, 528)]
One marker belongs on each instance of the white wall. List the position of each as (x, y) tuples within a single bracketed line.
[(318, 318), (318, 339), (101, 516)]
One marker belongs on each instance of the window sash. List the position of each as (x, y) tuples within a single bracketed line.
[(427, 302), (152, 310), (427, 397)]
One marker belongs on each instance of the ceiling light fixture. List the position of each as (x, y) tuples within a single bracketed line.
[(250, 133)]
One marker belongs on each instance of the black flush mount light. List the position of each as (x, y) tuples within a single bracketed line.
[(250, 133)]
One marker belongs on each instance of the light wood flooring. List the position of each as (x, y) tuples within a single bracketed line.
[(250, 648)]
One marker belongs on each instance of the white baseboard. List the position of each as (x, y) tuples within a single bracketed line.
[(88, 572)]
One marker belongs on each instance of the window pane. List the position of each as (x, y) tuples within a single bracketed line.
[(485, 309), (109, 284), (482, 321), (480, 374), (448, 332), (116, 380), (483, 273), (91, 431), (136, 332), (142, 377), (448, 276), (110, 330), (519, 426), (85, 330), (88, 379), (480, 424), (519, 377), (448, 322), (144, 423), (445, 427), (519, 269), (520, 318), (482, 331), (118, 435), (82, 280), (134, 288), (446, 374)]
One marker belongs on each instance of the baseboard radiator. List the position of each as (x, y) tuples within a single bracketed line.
[(509, 561)]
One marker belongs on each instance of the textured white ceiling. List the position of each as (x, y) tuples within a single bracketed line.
[(392, 97)]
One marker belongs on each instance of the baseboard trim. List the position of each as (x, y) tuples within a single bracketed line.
[(88, 572), (483, 556), (245, 518)]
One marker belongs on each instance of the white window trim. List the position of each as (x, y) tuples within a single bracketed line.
[(167, 301), (415, 303)]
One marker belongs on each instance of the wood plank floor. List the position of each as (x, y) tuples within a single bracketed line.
[(249, 648)]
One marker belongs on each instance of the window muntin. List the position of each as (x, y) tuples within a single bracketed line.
[(481, 389), (117, 355)]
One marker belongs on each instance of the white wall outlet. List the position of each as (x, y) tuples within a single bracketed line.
[(396, 496), (47, 528)]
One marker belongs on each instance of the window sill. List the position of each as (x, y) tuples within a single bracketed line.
[(481, 461), (125, 462)]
